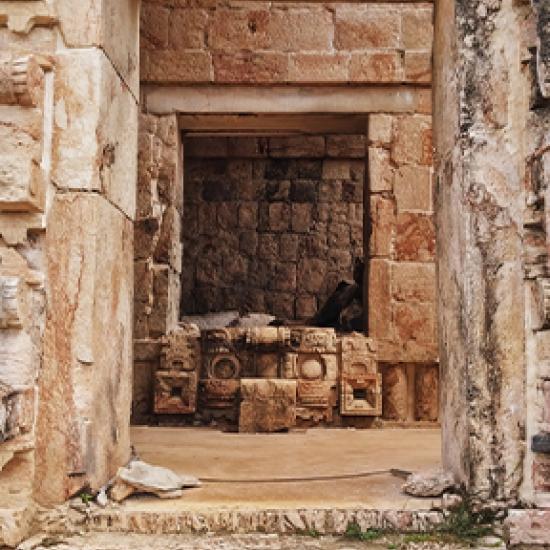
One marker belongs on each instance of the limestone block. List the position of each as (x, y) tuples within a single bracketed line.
[(10, 295), (111, 25), (381, 171), (380, 129), (412, 142), (346, 146), (369, 26), (219, 394), (361, 396), (297, 147), (427, 393), (267, 405), (95, 129), (395, 392), (376, 66), (176, 392), (87, 369), (315, 400), (417, 28), (22, 17), (317, 68), (412, 281), (21, 178), (413, 188)]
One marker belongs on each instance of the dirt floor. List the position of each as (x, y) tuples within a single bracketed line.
[(307, 468)]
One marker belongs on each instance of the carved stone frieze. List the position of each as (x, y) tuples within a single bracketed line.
[(24, 134)]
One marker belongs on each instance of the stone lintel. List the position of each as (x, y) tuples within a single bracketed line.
[(286, 99)]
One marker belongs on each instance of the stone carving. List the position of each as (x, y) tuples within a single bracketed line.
[(176, 382), (9, 302), (360, 384), (22, 17), (22, 81), (219, 394), (361, 396), (175, 392), (22, 172), (315, 401), (268, 405)]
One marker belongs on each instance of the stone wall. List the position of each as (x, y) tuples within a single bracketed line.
[(228, 41), (271, 224), (68, 121), (491, 131)]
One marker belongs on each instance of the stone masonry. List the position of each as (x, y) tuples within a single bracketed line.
[(270, 224)]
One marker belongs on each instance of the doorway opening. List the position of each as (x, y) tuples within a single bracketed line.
[(307, 301)]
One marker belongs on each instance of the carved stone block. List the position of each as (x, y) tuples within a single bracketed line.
[(175, 392), (9, 302), (181, 350), (268, 405), (361, 396), (315, 400), (219, 394)]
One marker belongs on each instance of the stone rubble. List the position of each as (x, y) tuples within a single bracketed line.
[(140, 477), (429, 483)]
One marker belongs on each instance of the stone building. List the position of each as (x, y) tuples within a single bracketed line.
[(156, 156)]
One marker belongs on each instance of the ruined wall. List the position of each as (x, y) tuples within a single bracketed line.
[(491, 243), (270, 224), (68, 119), (277, 42)]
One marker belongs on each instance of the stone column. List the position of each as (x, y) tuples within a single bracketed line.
[(480, 113)]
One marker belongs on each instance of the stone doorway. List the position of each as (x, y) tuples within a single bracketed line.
[(275, 212)]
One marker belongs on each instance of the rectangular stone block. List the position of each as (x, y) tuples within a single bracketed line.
[(22, 185), (376, 67), (379, 299), (297, 147), (250, 67), (361, 396), (413, 188), (95, 129), (175, 392), (111, 25), (370, 26), (381, 171), (347, 146), (88, 345), (268, 405), (318, 67), (413, 282)]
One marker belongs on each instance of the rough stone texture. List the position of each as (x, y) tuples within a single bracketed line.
[(268, 405), (270, 233), (85, 389), (140, 477), (277, 43), (429, 484), (482, 141), (89, 94)]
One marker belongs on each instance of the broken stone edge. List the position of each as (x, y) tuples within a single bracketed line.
[(280, 521)]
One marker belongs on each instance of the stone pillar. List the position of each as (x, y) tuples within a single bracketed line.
[(480, 114), (68, 128)]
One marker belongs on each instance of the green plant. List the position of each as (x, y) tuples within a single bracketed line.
[(465, 523), (312, 532), (353, 531), (86, 497)]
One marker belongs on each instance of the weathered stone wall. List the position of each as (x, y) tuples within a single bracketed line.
[(271, 224), (492, 252), (68, 119), (227, 41)]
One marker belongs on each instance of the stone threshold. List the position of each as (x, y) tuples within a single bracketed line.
[(242, 520)]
